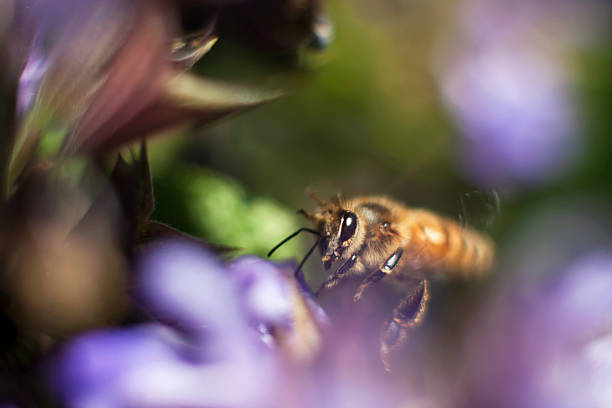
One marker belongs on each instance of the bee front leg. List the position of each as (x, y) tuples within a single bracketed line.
[(378, 274), (335, 278), (407, 315)]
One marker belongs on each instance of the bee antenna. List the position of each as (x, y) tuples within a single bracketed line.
[(315, 197), (290, 237), (299, 268)]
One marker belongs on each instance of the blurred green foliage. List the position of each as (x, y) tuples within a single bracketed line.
[(217, 208)]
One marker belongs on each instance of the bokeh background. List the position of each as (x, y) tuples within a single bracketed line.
[(493, 113), (478, 110)]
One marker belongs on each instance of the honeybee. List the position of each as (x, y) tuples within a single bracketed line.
[(382, 239)]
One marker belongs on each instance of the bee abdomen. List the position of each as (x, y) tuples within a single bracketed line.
[(450, 248), (476, 254)]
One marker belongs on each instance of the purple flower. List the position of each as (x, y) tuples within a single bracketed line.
[(552, 347), (544, 337), (209, 349), (30, 78), (263, 294), (213, 359), (508, 89), (515, 113), (205, 345)]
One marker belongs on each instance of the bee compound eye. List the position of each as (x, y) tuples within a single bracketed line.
[(349, 226)]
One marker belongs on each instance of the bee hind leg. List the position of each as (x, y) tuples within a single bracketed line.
[(408, 315)]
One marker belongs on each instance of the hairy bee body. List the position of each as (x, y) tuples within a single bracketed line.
[(431, 244), (383, 239)]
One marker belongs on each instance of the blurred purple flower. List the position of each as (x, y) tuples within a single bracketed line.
[(205, 345), (262, 293), (547, 343), (508, 89), (30, 78), (181, 285), (515, 114), (215, 357)]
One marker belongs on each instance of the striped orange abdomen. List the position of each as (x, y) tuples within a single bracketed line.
[(449, 247)]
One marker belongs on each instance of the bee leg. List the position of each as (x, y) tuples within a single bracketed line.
[(378, 274), (407, 316), (335, 278)]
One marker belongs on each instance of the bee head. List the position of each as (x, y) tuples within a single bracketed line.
[(337, 229)]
